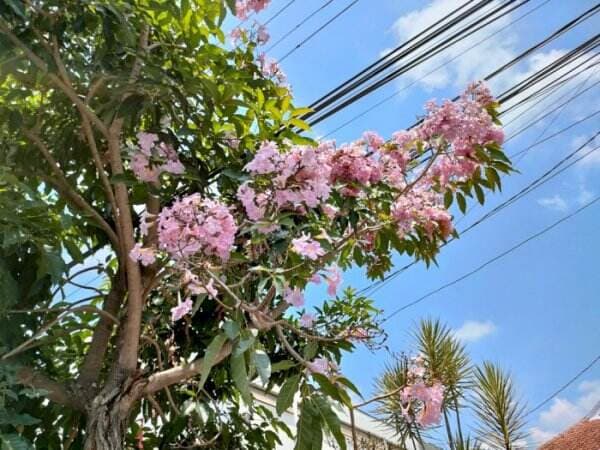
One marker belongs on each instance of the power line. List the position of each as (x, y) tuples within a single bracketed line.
[(399, 91), (318, 30), (565, 386), (392, 57), (281, 10), (428, 54), (492, 260), (539, 181), (510, 94), (298, 25)]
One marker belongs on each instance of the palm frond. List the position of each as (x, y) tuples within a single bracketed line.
[(501, 415), (446, 357)]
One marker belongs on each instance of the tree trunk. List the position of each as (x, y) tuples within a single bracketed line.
[(108, 416)]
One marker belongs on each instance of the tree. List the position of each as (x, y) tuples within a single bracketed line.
[(486, 390), (132, 132)]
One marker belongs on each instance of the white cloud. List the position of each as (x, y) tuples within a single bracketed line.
[(562, 413), (554, 203), (584, 196), (459, 69), (472, 331), (475, 57)]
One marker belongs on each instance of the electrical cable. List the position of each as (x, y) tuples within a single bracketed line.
[(318, 30), (492, 260), (302, 22)]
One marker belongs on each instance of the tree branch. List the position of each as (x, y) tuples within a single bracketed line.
[(94, 358), (55, 80), (65, 188), (57, 392), (178, 374)]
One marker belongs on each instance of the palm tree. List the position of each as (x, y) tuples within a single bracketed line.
[(487, 391), (500, 413)]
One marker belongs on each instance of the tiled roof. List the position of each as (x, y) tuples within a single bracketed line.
[(583, 436)]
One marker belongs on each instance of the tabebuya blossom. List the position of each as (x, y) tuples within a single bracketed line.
[(307, 247), (421, 399), (146, 256), (307, 320), (153, 157), (294, 297), (179, 311), (195, 225), (333, 280), (244, 7), (322, 366)]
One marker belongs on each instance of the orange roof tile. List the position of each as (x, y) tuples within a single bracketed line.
[(583, 436)]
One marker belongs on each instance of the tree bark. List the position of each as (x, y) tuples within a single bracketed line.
[(108, 415)]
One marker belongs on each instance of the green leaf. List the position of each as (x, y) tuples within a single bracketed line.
[(331, 419), (239, 374), (479, 194), (309, 428), (300, 124), (17, 7), (210, 356), (263, 365), (14, 441), (282, 365), (462, 202), (231, 329), (286, 394)]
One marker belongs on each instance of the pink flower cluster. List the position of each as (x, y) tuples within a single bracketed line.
[(245, 7), (151, 159), (296, 179), (307, 247), (352, 164), (146, 256), (422, 401), (323, 366), (195, 224), (270, 67), (422, 207)]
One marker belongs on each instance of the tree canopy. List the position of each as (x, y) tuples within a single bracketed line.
[(136, 135)]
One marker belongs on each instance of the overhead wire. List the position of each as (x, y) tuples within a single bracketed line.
[(431, 72), (539, 181), (318, 30), (391, 57), (458, 36), (298, 25), (553, 36), (492, 260)]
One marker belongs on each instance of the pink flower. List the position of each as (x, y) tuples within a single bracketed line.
[(255, 205), (265, 159), (144, 255), (181, 310), (307, 247), (307, 320), (320, 365), (373, 140), (140, 164), (315, 278), (196, 225), (173, 166), (144, 223), (146, 141), (333, 280), (196, 288), (236, 34), (262, 35), (294, 297)]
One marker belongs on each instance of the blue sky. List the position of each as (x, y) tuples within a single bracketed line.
[(536, 311)]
